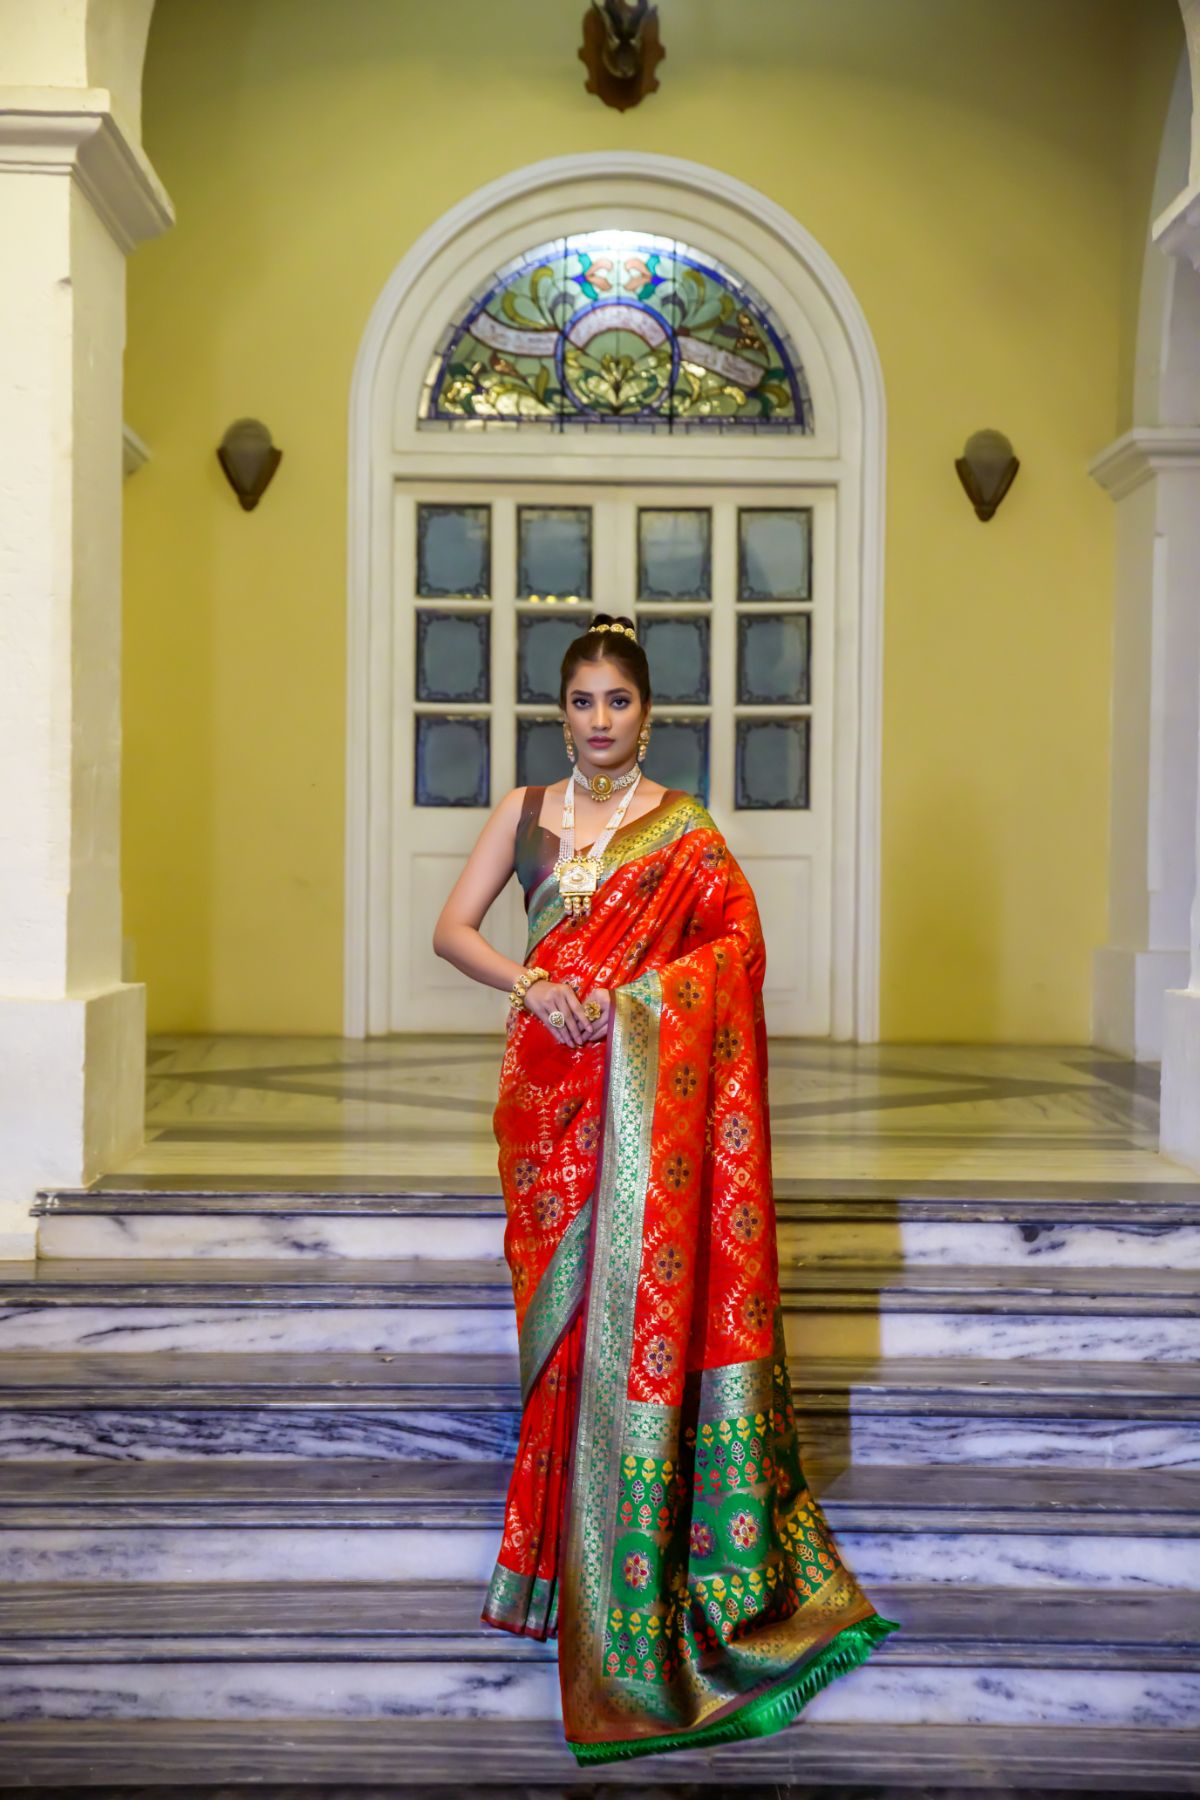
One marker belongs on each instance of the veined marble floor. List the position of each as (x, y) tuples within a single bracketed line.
[(238, 1110)]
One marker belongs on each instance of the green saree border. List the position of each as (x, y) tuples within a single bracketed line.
[(683, 815), (767, 1712), (836, 1628), (608, 1342), (526, 1604), (555, 1299)]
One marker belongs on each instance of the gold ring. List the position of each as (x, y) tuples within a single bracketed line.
[(555, 1018), (592, 1008)]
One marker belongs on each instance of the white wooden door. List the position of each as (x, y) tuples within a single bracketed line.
[(732, 589)]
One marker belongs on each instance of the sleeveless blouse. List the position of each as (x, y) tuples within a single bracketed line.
[(535, 851)]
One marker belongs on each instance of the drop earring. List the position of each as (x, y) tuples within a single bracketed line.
[(643, 743), (568, 740)]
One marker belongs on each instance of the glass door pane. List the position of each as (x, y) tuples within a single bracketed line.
[(451, 639)]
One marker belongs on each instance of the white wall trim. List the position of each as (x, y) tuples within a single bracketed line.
[(42, 133), (778, 254), (1143, 451)]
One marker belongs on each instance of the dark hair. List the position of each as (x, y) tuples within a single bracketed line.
[(593, 646)]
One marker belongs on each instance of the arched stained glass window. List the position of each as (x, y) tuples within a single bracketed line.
[(618, 328)]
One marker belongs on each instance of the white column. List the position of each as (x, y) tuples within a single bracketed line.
[(1153, 475), (1177, 231), (76, 194), (1179, 1116), (1179, 1124)]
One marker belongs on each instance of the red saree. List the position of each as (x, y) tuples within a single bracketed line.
[(658, 1518)]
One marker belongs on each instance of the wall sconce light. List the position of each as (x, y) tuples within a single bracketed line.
[(621, 51), (986, 469), (249, 460)]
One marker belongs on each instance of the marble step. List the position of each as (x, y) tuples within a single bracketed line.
[(266, 1650), (1132, 1530), (1048, 1224), (809, 1758), (376, 1621), (287, 1405), (466, 1307)]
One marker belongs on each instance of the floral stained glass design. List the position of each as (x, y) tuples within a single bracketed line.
[(618, 328)]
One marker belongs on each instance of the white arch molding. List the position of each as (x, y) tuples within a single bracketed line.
[(815, 304)]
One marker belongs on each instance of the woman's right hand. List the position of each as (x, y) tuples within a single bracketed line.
[(545, 997)]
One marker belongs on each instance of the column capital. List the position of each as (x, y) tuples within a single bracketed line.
[(74, 132), (1143, 451)]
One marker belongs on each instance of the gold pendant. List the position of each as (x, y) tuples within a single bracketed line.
[(601, 787), (581, 875), (578, 878)]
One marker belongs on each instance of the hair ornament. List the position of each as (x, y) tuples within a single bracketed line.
[(611, 625)]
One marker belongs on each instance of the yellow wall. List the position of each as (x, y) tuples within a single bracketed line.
[(976, 172)]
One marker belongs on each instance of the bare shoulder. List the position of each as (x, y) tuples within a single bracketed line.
[(511, 804), (504, 818)]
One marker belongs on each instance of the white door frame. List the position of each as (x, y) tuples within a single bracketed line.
[(815, 305)]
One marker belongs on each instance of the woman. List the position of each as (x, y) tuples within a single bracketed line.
[(657, 1520)]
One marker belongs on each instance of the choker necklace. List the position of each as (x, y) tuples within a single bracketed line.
[(601, 786)]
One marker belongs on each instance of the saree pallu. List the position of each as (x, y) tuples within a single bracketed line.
[(658, 1520)]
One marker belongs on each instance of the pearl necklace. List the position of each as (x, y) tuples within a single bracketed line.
[(579, 876), (601, 786)]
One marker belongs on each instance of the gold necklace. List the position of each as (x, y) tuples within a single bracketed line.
[(600, 787), (580, 875)]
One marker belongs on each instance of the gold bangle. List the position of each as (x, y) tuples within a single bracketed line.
[(522, 985)]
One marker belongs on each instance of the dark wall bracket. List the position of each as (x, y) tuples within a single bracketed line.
[(621, 50)]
